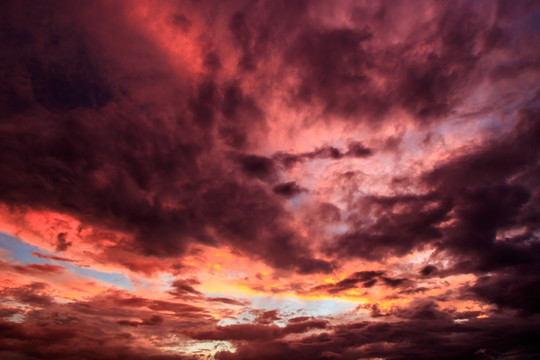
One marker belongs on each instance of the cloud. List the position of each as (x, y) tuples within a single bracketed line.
[(153, 321), (367, 278), (145, 178), (210, 170), (256, 332), (51, 257), (184, 287), (515, 288), (288, 189), (38, 268), (401, 224), (423, 337), (61, 243), (34, 294), (428, 269), (355, 150), (363, 279)]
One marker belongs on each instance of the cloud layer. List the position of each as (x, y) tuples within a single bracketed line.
[(269, 179)]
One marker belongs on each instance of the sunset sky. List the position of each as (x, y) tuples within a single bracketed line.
[(279, 179)]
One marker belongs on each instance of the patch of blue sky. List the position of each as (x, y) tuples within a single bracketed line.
[(297, 200), (411, 141), (112, 278), (495, 126), (18, 318), (167, 279), (20, 250), (488, 122), (303, 306), (291, 307), (453, 126), (245, 317), (22, 253), (336, 230), (166, 282)]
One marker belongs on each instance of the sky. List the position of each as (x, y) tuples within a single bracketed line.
[(237, 180)]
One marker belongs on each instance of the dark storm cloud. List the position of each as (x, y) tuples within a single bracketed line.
[(307, 265), (332, 63), (181, 21), (515, 288), (256, 216), (425, 332), (430, 89), (363, 279), (325, 152), (119, 157), (428, 269), (55, 79), (51, 257), (367, 278), (257, 166), (496, 214), (355, 149), (288, 189), (338, 66), (92, 329), (418, 290), (38, 269), (267, 317), (256, 332), (69, 84), (258, 28), (400, 224), (35, 294), (61, 243), (483, 211), (94, 143), (225, 301), (241, 114), (423, 310), (184, 287), (97, 122)]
